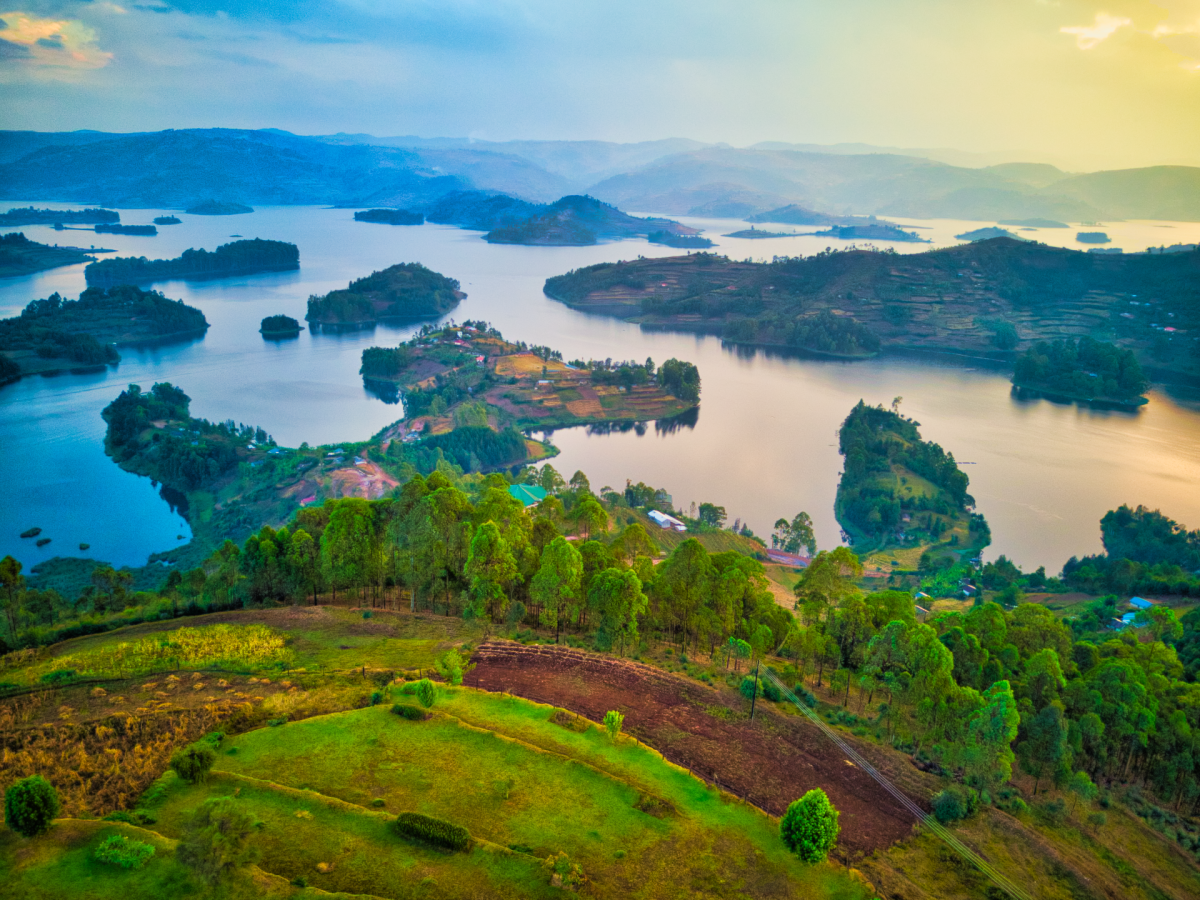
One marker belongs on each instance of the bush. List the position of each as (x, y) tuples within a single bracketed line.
[(949, 805), (613, 723), (137, 817), (376, 697), (771, 692), (192, 763), (216, 839), (412, 713), (433, 831), (810, 828), (1097, 820), (450, 667), (426, 693), (747, 687), (58, 676), (30, 805), (118, 850)]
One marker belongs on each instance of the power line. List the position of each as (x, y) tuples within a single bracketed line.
[(919, 814)]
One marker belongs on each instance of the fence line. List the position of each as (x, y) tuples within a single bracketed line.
[(919, 814)]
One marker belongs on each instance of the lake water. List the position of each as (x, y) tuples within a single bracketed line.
[(763, 445)]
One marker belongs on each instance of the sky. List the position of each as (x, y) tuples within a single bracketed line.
[(1083, 84)]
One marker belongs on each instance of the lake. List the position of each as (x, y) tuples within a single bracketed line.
[(763, 445)]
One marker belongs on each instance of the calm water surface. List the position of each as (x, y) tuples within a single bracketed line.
[(764, 443)]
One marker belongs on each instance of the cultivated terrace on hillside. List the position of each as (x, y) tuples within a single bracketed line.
[(54, 333), (21, 256), (236, 258), (406, 291), (989, 298)]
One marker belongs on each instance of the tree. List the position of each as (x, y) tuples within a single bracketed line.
[(30, 805), (549, 479), (426, 693), (193, 762), (490, 569), (12, 583), (712, 515), (616, 595), (613, 723), (591, 517), (684, 580), (791, 536), (556, 585), (990, 731), (810, 827), (1045, 746), (350, 544), (1082, 786), (303, 560), (450, 667), (216, 839), (828, 580), (632, 543)]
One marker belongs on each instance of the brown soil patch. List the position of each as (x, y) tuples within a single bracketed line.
[(770, 761), (366, 480)]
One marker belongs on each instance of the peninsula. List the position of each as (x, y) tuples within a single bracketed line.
[(21, 256), (55, 334), (216, 208), (28, 215), (679, 241), (405, 291), (578, 221), (236, 258), (990, 298), (753, 234), (390, 217), (872, 231)]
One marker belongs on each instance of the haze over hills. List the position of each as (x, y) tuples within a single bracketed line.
[(675, 176)]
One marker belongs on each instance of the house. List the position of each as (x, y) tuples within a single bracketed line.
[(792, 560), (1140, 603), (662, 520), (528, 494)]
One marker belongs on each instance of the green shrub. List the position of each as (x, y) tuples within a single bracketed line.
[(30, 805), (216, 839), (378, 802), (949, 805), (58, 676), (810, 827), (376, 697), (426, 693), (409, 688), (1055, 811), (747, 687), (136, 817), (275, 723), (450, 667), (771, 692), (1097, 820), (118, 850), (433, 831), (193, 762), (412, 713), (613, 723)]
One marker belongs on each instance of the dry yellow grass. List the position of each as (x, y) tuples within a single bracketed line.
[(523, 365)]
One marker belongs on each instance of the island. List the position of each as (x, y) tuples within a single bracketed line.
[(1034, 223), (217, 208), (390, 217), (21, 256), (579, 221), (988, 299), (167, 220), (470, 372), (801, 215), (280, 326), (872, 231), (407, 291), (753, 234), (986, 234), (1086, 370), (899, 491), (236, 258), (56, 334), (1093, 237), (139, 230), (27, 215), (679, 241)]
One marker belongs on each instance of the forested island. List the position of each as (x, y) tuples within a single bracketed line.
[(237, 258), (403, 291), (135, 230), (167, 220), (899, 490), (390, 216), (217, 208), (28, 215), (577, 220), (21, 256), (754, 234), (55, 333), (680, 241), (1089, 370), (990, 298), (280, 326), (872, 231)]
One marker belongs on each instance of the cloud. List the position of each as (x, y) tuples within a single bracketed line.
[(1105, 26), (51, 43)]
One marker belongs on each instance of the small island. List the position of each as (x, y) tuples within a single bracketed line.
[(679, 241), (448, 376), (167, 220), (217, 208), (872, 231), (986, 234), (390, 217), (407, 291), (237, 258), (55, 334), (753, 234), (138, 230), (280, 326), (21, 256), (1086, 370), (1033, 223), (1093, 237), (27, 215)]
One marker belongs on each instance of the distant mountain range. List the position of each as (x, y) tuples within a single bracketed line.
[(675, 177)]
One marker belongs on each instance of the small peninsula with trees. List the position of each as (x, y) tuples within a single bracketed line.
[(131, 230), (406, 291), (1086, 370), (28, 215), (390, 217), (244, 257), (218, 208), (280, 326), (21, 256), (55, 334)]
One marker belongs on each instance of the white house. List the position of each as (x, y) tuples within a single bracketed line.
[(664, 521)]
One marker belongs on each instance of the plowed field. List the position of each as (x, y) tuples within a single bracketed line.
[(770, 761)]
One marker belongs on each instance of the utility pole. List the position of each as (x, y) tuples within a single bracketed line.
[(754, 693)]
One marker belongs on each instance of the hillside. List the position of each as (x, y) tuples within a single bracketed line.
[(235, 258), (21, 256), (988, 298), (403, 291)]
